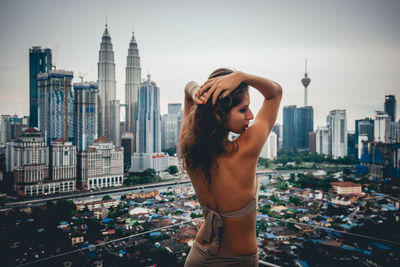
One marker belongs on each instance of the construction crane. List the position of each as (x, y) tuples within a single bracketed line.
[(82, 76)]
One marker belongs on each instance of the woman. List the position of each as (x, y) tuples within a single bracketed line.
[(223, 173)]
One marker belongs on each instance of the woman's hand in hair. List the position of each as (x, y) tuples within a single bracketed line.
[(221, 86), (191, 90)]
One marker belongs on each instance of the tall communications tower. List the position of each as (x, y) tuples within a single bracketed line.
[(305, 81)]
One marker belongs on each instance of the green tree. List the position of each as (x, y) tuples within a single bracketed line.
[(171, 151), (106, 197), (173, 169)]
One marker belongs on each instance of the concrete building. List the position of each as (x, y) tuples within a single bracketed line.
[(337, 125), (12, 127), (63, 165), (133, 77), (108, 121), (278, 130), (346, 188), (40, 61), (322, 140), (101, 165), (56, 116), (269, 150), (382, 125), (85, 114), (170, 126), (144, 161), (30, 165)]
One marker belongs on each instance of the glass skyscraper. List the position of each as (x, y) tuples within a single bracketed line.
[(56, 105), (85, 114), (297, 123), (148, 124), (390, 107), (39, 62)]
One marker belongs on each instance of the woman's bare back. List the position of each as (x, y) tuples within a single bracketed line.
[(233, 186)]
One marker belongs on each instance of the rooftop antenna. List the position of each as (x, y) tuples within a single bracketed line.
[(106, 20)]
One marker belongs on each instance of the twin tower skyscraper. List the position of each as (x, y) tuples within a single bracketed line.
[(109, 106)]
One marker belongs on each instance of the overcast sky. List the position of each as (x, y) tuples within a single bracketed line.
[(352, 47)]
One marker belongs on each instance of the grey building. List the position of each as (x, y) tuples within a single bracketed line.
[(171, 123), (85, 114), (148, 130), (108, 122), (133, 77), (148, 123)]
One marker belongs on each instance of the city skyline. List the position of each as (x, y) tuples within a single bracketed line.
[(352, 61)]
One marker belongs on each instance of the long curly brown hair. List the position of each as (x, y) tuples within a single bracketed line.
[(206, 135)]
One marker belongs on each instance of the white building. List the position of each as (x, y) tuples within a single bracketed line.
[(382, 127), (63, 163), (144, 161), (337, 125), (322, 140), (101, 165), (269, 150)]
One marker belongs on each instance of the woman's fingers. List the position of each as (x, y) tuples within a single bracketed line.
[(216, 94)]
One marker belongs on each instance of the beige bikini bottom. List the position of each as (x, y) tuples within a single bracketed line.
[(199, 256)]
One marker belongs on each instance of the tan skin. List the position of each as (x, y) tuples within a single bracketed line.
[(233, 182)]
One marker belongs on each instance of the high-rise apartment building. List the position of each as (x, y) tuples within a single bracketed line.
[(269, 150), (390, 107), (56, 115), (108, 122), (170, 127), (133, 77), (337, 124), (39, 62), (382, 125), (364, 127), (85, 114), (101, 165), (322, 140), (278, 130), (148, 130)]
